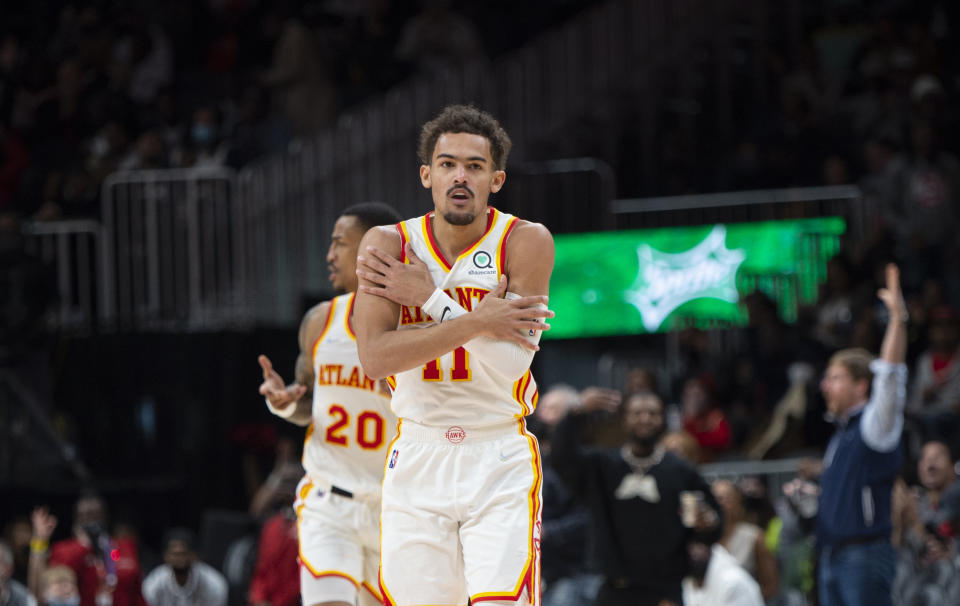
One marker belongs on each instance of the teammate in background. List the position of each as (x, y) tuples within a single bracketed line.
[(349, 424), (449, 303)]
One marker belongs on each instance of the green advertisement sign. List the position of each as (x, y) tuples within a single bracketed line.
[(656, 280)]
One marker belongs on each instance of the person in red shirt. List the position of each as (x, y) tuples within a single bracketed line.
[(703, 419), (107, 568), (276, 575)]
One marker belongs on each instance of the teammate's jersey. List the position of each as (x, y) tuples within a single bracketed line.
[(458, 389), (352, 422)]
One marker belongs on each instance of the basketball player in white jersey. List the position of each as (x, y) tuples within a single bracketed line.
[(448, 308), (349, 427)]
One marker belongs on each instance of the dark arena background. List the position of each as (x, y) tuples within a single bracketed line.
[(725, 182)]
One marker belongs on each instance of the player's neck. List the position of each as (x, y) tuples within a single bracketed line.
[(454, 239)]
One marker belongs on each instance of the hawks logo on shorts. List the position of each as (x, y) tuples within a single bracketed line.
[(457, 389)]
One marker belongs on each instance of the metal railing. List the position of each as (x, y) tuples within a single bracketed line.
[(174, 251), (73, 249), (186, 249)]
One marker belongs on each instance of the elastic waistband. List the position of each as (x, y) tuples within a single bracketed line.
[(322, 485), (458, 434)]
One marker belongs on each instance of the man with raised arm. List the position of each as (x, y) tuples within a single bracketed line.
[(865, 398)]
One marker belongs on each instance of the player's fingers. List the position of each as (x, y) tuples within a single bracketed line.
[(500, 289), (266, 365), (383, 257), (414, 259), (371, 262), (529, 311), (373, 290), (531, 325), (298, 390), (518, 338), (376, 278)]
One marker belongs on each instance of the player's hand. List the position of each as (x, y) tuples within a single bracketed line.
[(600, 398), (273, 388), (43, 523), (892, 296), (511, 319), (407, 284)]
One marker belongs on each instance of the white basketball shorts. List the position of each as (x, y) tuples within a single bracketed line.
[(461, 516), (339, 546)]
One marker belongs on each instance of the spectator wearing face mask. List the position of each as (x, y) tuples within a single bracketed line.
[(183, 580), (107, 568), (12, 593), (206, 148), (58, 587)]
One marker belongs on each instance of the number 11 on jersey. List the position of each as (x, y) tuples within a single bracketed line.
[(460, 371)]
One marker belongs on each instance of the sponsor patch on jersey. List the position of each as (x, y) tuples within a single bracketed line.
[(455, 434), (483, 260), (393, 459)]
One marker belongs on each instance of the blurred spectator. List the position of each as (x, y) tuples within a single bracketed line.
[(937, 473), (916, 509), (13, 162), (299, 76), (563, 545), (58, 587), (744, 540), (565, 566), (640, 379), (206, 148), (106, 567), (936, 379), (854, 519), (552, 407), (703, 418), (928, 574), (276, 573), (12, 593), (146, 54), (835, 305), (928, 209), (438, 38), (634, 498), (794, 547), (182, 579), (17, 535), (150, 152), (716, 579)]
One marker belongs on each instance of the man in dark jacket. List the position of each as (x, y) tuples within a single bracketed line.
[(645, 504)]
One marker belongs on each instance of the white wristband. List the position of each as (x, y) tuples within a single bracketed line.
[(441, 307), (283, 413)]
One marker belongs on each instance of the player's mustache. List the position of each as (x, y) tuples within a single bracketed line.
[(461, 188)]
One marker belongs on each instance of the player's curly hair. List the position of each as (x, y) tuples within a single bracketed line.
[(465, 119)]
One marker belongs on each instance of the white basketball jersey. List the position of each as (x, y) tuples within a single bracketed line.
[(458, 389), (352, 423)]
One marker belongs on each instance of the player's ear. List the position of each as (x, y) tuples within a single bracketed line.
[(425, 175), (496, 183)]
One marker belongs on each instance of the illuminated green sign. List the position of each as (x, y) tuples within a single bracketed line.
[(656, 280)]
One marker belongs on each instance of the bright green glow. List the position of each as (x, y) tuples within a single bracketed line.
[(656, 280)]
